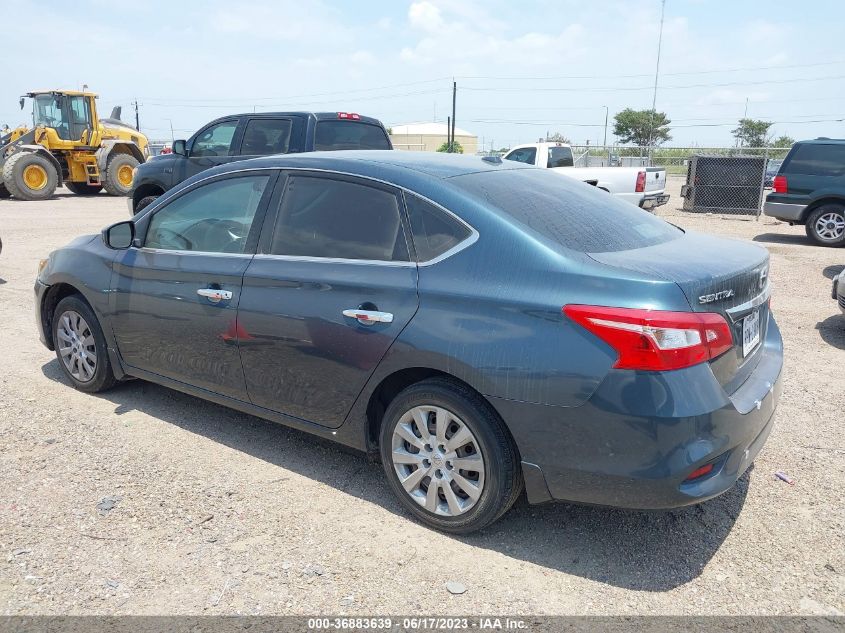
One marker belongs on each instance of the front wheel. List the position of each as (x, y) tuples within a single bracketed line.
[(826, 225), (119, 174), (448, 457), (81, 347), (30, 176)]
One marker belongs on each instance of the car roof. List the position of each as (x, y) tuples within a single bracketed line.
[(319, 116), (383, 164), (822, 140)]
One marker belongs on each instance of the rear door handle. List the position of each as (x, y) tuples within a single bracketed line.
[(369, 317), (215, 295)]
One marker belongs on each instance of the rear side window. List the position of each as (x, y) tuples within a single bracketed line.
[(435, 232), (560, 157), (573, 214), (817, 160), (322, 217), (266, 136), (525, 155), (331, 135)]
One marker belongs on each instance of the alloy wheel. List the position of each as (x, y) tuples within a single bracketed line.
[(830, 226), (77, 347), (438, 460)]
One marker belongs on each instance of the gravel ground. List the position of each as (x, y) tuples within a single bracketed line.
[(146, 501)]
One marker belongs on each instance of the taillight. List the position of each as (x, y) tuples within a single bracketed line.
[(640, 182), (779, 184), (700, 472), (348, 115), (655, 340)]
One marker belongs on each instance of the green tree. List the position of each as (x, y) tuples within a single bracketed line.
[(557, 137), (642, 127), (457, 147), (752, 132), (783, 141)]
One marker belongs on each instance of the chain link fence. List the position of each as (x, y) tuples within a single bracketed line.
[(716, 180)]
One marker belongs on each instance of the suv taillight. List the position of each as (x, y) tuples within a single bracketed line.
[(655, 340), (779, 184), (640, 182)]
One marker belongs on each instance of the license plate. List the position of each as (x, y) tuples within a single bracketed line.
[(750, 332)]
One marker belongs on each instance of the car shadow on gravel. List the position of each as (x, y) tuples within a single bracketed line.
[(831, 271), (832, 329), (640, 550), (781, 238)]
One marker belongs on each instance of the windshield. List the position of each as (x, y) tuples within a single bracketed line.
[(576, 216), (560, 157)]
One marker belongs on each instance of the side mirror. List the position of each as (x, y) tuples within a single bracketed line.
[(179, 147), (21, 102), (119, 236)]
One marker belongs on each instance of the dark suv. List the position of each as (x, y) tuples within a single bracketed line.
[(241, 136), (809, 189)]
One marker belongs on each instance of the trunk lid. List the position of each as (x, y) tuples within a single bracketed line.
[(718, 275)]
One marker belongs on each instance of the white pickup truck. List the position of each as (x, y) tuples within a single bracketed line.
[(642, 186)]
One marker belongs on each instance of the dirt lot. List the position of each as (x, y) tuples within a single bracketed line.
[(144, 500)]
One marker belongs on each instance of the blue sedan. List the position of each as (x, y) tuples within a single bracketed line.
[(481, 327)]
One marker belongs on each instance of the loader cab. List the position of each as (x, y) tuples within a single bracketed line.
[(71, 115)]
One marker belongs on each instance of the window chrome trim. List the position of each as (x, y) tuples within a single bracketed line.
[(466, 243), (148, 249)]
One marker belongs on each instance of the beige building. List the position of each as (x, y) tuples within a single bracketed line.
[(427, 137)]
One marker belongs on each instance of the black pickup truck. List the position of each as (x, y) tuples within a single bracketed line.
[(242, 136)]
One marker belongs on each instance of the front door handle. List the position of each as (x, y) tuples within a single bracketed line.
[(369, 317), (215, 295)]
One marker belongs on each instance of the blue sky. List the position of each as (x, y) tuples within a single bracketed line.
[(523, 68)]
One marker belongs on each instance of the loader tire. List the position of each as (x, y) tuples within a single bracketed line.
[(29, 176), (83, 188), (119, 174)]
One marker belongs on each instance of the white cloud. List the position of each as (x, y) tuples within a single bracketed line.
[(425, 16)]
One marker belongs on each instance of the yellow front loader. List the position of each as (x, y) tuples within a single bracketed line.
[(68, 144)]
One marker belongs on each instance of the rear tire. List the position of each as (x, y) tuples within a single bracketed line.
[(826, 225), (466, 453), (119, 175), (83, 188), (30, 176), (144, 202), (81, 346)]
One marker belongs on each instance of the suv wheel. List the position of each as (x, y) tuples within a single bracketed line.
[(81, 346), (448, 457), (826, 225)]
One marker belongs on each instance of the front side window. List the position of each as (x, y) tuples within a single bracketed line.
[(525, 155), (321, 217), (817, 160), (216, 140), (213, 218), (266, 136), (435, 232)]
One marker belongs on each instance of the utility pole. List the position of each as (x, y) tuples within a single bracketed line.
[(656, 75), (137, 120), (606, 112), (454, 95)]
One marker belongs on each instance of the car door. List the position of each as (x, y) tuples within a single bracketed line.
[(175, 295), (210, 147), (329, 291), (263, 136)]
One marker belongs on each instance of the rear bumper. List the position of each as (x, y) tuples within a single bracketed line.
[(654, 200), (641, 434), (784, 211)]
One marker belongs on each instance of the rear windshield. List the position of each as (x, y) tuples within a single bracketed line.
[(349, 135), (817, 160), (576, 216), (560, 157)]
